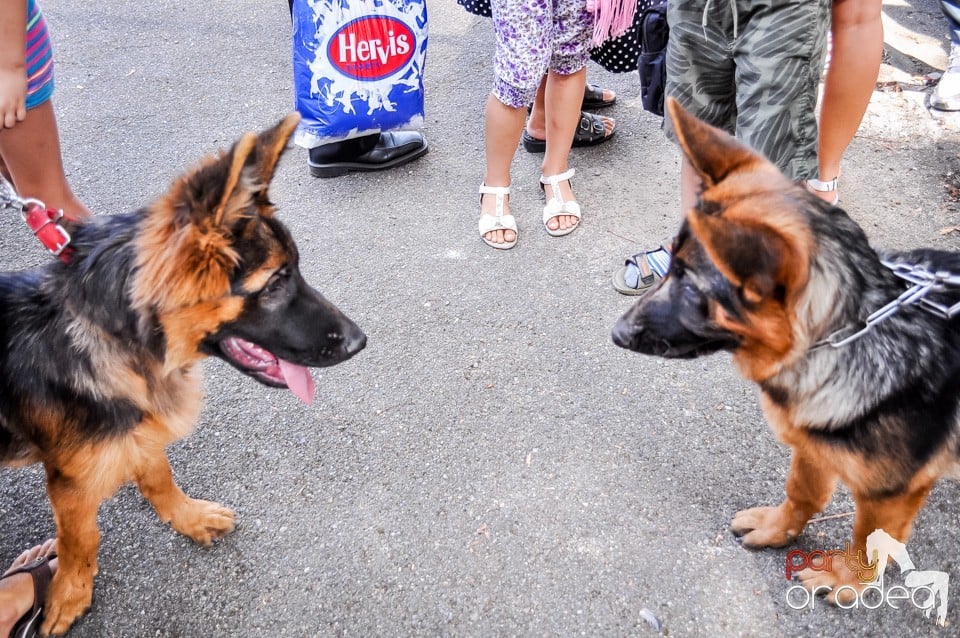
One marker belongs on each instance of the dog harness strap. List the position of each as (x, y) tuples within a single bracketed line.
[(44, 224)]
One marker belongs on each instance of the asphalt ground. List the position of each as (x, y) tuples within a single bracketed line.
[(491, 465)]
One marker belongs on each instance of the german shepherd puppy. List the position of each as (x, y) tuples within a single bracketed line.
[(768, 271), (98, 369)]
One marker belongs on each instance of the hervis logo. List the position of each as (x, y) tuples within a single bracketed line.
[(371, 47)]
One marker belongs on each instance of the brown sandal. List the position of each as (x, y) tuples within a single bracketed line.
[(39, 569)]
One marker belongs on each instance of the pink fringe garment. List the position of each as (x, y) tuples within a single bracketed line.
[(612, 18)]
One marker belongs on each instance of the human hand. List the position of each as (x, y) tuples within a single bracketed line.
[(13, 96)]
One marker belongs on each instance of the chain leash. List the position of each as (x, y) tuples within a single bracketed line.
[(923, 282)]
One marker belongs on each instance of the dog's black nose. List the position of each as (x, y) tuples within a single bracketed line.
[(625, 333), (354, 340)]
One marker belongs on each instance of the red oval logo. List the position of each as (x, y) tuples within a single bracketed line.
[(371, 48)]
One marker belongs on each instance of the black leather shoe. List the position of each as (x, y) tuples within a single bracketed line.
[(392, 149)]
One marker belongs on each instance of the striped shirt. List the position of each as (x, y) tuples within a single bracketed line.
[(39, 57)]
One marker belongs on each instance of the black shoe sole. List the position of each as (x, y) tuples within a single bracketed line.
[(339, 169), (534, 145), (590, 105)]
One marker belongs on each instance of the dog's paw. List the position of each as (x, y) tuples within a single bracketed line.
[(203, 521), (67, 600), (761, 527), (838, 584)]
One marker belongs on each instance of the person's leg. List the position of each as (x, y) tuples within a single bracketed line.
[(951, 11), (503, 127), (570, 43), (690, 185), (517, 72), (16, 591), (946, 95), (695, 54), (31, 152), (779, 59), (537, 122), (374, 152), (701, 77), (855, 52), (563, 96), (30, 149)]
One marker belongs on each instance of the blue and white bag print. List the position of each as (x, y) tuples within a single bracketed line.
[(357, 67)]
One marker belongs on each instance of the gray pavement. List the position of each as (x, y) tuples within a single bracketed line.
[(491, 465)]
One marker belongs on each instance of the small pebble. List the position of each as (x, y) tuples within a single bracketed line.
[(651, 619)]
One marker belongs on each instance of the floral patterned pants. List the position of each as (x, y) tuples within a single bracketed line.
[(534, 36)]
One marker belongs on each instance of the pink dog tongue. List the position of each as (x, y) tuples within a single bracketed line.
[(298, 380)]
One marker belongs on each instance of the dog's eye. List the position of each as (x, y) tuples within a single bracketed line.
[(277, 281), (691, 292)]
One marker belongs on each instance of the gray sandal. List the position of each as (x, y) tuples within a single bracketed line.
[(643, 270)]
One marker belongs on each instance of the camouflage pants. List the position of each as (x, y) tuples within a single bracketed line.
[(752, 68)]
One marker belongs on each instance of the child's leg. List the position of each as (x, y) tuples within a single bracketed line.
[(31, 152), (518, 70), (564, 94), (570, 44), (563, 99), (504, 125), (537, 122)]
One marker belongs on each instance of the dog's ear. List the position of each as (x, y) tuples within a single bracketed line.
[(271, 144), (713, 153), (185, 248), (234, 161), (764, 262), (206, 195)]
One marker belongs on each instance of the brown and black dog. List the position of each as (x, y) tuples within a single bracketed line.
[(98, 370), (765, 270)]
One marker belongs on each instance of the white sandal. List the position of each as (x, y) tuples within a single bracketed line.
[(826, 187), (490, 223), (556, 206)]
